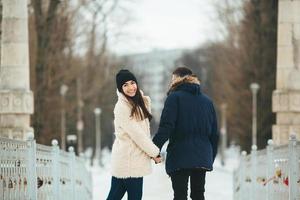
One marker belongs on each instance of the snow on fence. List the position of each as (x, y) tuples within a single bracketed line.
[(30, 171), (269, 174)]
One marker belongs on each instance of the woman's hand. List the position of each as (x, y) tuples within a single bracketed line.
[(157, 159)]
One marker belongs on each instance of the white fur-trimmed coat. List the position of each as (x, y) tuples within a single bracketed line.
[(133, 148)]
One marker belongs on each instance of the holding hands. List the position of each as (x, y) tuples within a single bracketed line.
[(157, 159)]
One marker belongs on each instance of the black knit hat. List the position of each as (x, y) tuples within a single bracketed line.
[(122, 77)]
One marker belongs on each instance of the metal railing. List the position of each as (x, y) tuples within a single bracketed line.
[(269, 174), (30, 171)]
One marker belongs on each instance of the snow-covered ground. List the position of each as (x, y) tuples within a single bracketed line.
[(157, 186)]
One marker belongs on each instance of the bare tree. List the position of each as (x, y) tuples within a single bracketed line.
[(44, 16), (246, 54), (69, 44)]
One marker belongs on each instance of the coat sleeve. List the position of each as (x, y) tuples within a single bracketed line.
[(135, 132), (214, 136), (167, 121)]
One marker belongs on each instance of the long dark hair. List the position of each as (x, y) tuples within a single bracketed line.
[(139, 110)]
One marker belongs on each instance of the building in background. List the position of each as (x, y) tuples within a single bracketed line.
[(153, 70)]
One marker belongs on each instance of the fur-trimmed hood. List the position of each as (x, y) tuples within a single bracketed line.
[(183, 82)]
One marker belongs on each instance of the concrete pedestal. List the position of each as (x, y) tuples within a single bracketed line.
[(16, 99), (286, 97)]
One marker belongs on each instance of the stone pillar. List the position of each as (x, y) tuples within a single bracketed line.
[(286, 97), (16, 99)]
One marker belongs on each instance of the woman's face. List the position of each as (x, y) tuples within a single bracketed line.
[(129, 88)]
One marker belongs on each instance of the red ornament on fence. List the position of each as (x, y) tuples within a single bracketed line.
[(286, 181)]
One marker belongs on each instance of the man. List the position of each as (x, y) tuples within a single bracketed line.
[(189, 122)]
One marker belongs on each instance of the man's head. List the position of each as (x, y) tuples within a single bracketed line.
[(181, 72), (182, 75)]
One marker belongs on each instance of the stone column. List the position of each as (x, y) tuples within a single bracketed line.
[(286, 97), (16, 99)]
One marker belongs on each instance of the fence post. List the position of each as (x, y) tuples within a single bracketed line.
[(253, 172), (72, 171), (243, 193), (55, 169), (293, 165), (31, 167), (270, 169), (235, 181)]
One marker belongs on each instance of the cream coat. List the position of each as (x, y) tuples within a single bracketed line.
[(133, 146)]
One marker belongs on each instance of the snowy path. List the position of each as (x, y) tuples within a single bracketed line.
[(157, 186)]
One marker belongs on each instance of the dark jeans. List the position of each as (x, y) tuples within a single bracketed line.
[(133, 187), (180, 180)]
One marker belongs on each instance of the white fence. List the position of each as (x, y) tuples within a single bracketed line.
[(269, 174), (30, 171)]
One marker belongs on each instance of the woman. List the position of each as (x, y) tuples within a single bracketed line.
[(133, 148)]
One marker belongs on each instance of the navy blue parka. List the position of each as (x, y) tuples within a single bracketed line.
[(189, 122)]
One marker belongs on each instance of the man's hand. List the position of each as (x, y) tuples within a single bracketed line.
[(157, 159)]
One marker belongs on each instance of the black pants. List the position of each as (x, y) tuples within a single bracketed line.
[(180, 180), (133, 187)]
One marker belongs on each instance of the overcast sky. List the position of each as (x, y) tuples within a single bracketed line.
[(167, 24)]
